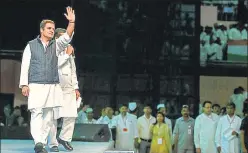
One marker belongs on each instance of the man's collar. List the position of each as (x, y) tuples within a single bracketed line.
[(190, 119)]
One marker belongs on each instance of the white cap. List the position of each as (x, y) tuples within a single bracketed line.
[(89, 110), (132, 106), (160, 106)]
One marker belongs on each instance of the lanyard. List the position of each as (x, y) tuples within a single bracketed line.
[(124, 120), (230, 122)]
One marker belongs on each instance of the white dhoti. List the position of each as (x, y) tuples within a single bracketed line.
[(68, 112), (41, 101)]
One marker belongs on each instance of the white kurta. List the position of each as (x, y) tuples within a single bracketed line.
[(42, 95), (93, 121), (68, 83), (81, 117), (234, 34), (204, 132), (238, 100), (126, 132), (221, 139)]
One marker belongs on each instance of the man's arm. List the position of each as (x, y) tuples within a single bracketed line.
[(26, 56), (63, 41), (218, 136), (74, 74), (62, 59), (176, 133), (242, 135), (197, 128)]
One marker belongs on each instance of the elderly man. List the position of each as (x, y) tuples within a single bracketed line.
[(68, 111), (39, 79)]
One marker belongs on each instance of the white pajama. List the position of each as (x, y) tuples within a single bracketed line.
[(65, 133), (40, 124)]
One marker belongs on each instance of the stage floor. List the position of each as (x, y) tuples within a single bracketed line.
[(26, 146)]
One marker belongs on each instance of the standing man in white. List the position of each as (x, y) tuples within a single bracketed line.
[(39, 79), (204, 130), (126, 130), (228, 130), (68, 111)]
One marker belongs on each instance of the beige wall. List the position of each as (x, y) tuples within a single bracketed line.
[(219, 89), (10, 73), (209, 17)]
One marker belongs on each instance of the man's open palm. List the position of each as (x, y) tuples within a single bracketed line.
[(70, 15)]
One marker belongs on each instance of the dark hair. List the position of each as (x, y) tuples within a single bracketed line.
[(58, 31), (231, 104), (241, 88), (224, 109), (157, 115), (216, 105), (237, 91), (148, 105), (206, 102), (17, 107), (123, 105)]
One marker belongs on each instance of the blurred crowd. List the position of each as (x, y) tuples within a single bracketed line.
[(214, 40)]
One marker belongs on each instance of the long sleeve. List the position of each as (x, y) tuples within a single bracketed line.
[(175, 132), (101, 120), (74, 74), (170, 127), (25, 66), (62, 42), (197, 129), (218, 134), (62, 59), (136, 133)]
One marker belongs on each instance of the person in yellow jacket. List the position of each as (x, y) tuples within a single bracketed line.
[(161, 136)]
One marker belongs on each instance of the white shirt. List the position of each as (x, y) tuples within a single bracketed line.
[(234, 34), (244, 34), (204, 132), (144, 125), (67, 71), (93, 121), (227, 123)]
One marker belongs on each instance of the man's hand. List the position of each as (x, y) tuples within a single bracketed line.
[(219, 149), (70, 16), (77, 94), (234, 133), (25, 91), (69, 50), (136, 143), (244, 150), (198, 150)]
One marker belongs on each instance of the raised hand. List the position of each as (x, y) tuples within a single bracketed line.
[(70, 15), (69, 50)]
